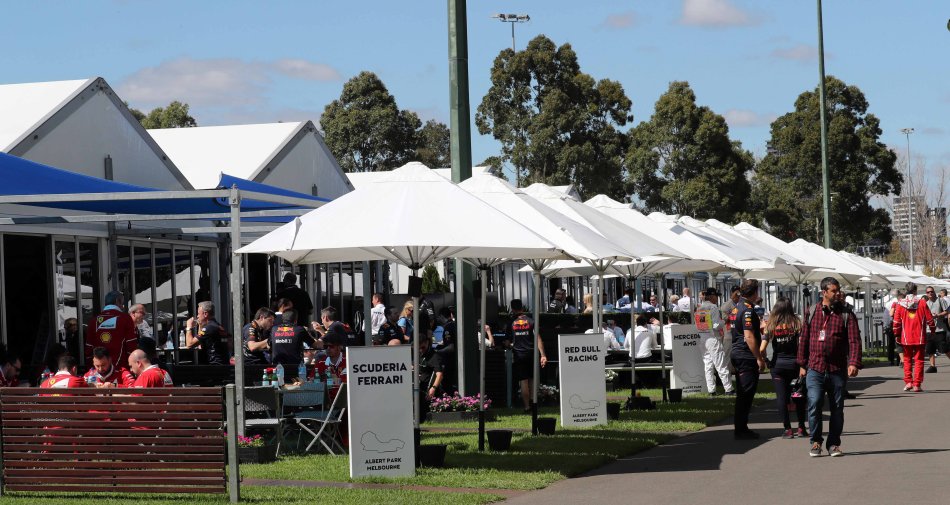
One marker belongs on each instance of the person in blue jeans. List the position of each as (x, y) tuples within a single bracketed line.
[(829, 352)]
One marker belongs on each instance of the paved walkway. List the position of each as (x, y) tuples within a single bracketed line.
[(897, 445)]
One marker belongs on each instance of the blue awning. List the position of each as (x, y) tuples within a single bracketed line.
[(25, 177)]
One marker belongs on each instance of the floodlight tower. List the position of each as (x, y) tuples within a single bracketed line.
[(512, 18)]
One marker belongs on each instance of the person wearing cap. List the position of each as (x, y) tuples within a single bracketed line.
[(710, 325), (113, 328)]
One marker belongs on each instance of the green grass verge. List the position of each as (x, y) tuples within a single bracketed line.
[(532, 462), (262, 494)]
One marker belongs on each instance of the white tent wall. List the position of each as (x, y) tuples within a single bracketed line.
[(80, 135), (307, 162)]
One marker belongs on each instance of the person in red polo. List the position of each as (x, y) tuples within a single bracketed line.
[(113, 328), (912, 317), (106, 373), (66, 377), (147, 375)]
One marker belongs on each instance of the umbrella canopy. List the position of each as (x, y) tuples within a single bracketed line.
[(573, 238), (786, 262), (423, 218), (836, 265)]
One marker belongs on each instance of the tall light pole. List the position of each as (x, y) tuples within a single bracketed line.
[(909, 199), (826, 195), (512, 18)]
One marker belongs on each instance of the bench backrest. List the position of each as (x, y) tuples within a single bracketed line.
[(161, 440)]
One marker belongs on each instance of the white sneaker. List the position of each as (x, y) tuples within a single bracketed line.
[(908, 387)]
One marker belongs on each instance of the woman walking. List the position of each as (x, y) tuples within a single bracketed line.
[(782, 330)]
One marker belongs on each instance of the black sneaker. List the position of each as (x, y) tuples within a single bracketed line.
[(931, 369), (746, 435), (730, 393)]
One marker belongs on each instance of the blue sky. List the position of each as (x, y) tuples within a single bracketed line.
[(246, 62)]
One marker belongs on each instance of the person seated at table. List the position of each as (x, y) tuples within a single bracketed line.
[(618, 332), (588, 303), (335, 363), (10, 366), (330, 324), (287, 340), (66, 377), (430, 370), (387, 331), (106, 373), (570, 305), (256, 337), (640, 343), (281, 305), (148, 375), (610, 340), (405, 322), (206, 332)]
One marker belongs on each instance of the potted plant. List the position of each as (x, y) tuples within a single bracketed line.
[(456, 408), (610, 378), (253, 450), (547, 395)]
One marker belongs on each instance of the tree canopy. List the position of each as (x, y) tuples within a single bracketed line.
[(364, 128), (788, 182), (556, 124), (682, 160), (433, 145), (174, 115)]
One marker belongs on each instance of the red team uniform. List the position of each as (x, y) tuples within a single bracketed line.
[(120, 376), (63, 380), (153, 377), (113, 329)]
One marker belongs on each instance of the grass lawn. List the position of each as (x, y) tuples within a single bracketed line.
[(252, 494), (532, 462)]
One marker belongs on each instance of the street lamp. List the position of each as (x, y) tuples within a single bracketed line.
[(907, 202), (512, 18)]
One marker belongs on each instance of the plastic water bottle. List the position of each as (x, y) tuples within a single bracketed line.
[(265, 380), (302, 372), (280, 375)]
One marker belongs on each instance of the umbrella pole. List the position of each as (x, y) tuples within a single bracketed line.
[(481, 358), (417, 411), (632, 343), (536, 353), (662, 352)]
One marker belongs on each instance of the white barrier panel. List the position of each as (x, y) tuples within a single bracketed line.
[(379, 409), (583, 388), (688, 373)]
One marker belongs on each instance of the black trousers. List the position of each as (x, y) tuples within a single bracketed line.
[(747, 382), (782, 379)]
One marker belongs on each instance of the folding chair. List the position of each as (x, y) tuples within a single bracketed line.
[(262, 412), (324, 427), (307, 396)]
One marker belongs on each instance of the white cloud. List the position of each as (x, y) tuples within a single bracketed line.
[(739, 118), (620, 20), (933, 130), (307, 70), (800, 52), (214, 82), (715, 13)]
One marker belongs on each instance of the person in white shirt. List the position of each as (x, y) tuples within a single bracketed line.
[(378, 314), (683, 305), (618, 333), (639, 339), (610, 340), (709, 322)]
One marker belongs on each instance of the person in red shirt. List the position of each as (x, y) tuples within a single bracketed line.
[(113, 328), (66, 377), (911, 314), (106, 373), (147, 375)]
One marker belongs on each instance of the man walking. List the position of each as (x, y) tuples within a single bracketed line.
[(520, 333), (829, 351), (710, 325), (911, 313), (937, 336), (746, 357)]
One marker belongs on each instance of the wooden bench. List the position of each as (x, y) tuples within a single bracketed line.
[(161, 440)]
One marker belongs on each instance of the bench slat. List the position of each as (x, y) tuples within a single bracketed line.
[(144, 425), (109, 408), (130, 489), (94, 473), (53, 437), (116, 480), (98, 399), (113, 433), (129, 458), (169, 392), (101, 466), (105, 416), (104, 451)]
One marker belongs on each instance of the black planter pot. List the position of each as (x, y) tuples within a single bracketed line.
[(613, 411), (432, 455), (546, 425), (454, 417), (265, 454), (611, 386), (675, 395), (499, 440)]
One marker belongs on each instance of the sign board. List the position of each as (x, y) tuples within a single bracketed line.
[(379, 411), (688, 373), (583, 388)]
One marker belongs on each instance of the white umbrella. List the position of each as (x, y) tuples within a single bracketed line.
[(635, 242), (568, 235), (426, 219)]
